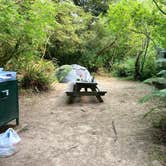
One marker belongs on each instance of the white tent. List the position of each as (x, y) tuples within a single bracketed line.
[(75, 73)]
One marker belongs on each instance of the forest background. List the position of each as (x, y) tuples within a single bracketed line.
[(121, 37)]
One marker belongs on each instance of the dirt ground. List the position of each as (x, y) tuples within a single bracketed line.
[(86, 133)]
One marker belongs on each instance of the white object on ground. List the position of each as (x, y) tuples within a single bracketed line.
[(8, 140)]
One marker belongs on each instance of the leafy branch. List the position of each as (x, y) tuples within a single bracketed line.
[(162, 11)]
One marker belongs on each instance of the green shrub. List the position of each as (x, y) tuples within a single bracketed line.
[(149, 69), (160, 123), (158, 117), (125, 68), (38, 75)]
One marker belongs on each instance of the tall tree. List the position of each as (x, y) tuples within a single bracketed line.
[(136, 28), (94, 6)]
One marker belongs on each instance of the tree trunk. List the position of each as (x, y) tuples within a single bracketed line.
[(137, 66), (145, 53), (106, 48), (137, 72)]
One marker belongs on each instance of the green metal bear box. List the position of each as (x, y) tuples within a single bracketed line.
[(9, 109)]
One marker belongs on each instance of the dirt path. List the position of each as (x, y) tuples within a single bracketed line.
[(85, 133)]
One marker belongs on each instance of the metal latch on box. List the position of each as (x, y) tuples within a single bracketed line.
[(4, 94)]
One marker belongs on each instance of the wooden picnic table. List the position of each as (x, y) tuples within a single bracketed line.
[(82, 89)]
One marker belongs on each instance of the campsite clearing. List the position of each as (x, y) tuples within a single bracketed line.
[(86, 133)]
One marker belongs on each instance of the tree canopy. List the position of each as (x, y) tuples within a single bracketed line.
[(97, 34)]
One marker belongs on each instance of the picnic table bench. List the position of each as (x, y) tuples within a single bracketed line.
[(81, 89)]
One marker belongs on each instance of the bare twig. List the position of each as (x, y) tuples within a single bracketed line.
[(106, 48), (115, 132), (147, 34), (45, 46), (22, 128)]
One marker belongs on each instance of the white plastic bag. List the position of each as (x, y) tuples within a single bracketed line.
[(7, 151), (7, 142)]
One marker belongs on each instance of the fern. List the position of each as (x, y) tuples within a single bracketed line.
[(152, 111), (156, 93), (162, 73), (161, 60), (149, 81), (160, 93)]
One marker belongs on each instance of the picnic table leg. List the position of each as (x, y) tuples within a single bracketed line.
[(76, 89), (70, 99), (97, 96)]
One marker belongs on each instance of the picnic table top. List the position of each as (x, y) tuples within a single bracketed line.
[(86, 83)]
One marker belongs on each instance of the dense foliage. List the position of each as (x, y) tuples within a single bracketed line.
[(97, 34), (24, 28), (96, 7), (37, 75), (138, 35)]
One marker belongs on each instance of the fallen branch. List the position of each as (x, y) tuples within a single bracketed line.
[(115, 132), (22, 128)]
